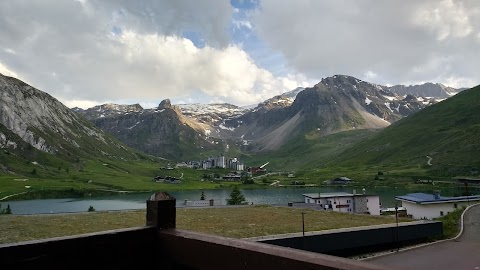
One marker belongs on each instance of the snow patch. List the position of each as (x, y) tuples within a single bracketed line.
[(133, 125), (226, 128), (388, 106), (389, 98), (367, 101)]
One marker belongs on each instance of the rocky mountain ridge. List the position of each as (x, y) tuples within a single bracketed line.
[(337, 103), (433, 90), (49, 126)]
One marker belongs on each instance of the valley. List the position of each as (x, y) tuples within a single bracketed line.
[(340, 127)]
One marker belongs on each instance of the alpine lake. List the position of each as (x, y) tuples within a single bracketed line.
[(270, 196)]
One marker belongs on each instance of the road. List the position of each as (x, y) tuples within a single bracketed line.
[(459, 254), (429, 161)]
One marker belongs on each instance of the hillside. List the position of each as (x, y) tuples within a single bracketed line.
[(308, 151), (46, 124), (445, 133), (45, 144), (336, 104), (163, 132)]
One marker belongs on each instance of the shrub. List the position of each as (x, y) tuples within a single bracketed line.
[(451, 223), (5, 211)]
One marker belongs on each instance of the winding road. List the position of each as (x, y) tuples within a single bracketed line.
[(462, 252), (429, 161)]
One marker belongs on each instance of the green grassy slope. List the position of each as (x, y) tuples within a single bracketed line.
[(307, 151), (448, 132)]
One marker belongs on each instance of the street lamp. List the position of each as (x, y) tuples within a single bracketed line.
[(396, 230), (304, 245), (303, 223)]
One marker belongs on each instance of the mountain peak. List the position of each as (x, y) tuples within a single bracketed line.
[(165, 104)]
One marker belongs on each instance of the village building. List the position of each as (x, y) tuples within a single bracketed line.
[(346, 202), (221, 162), (232, 176), (430, 206), (339, 181), (235, 164)]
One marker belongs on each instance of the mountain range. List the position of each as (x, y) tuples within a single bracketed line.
[(341, 119), (338, 103)]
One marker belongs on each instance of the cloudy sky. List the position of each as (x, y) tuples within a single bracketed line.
[(90, 52)]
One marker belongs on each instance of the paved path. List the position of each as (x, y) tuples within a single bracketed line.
[(459, 254)]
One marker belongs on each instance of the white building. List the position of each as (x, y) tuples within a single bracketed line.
[(346, 202), (429, 206)]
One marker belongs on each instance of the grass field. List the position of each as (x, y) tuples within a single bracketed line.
[(237, 222)]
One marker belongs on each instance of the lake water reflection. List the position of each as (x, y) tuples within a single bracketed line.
[(255, 196)]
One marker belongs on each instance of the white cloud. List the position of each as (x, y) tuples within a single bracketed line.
[(239, 24), (370, 76), (445, 19), (7, 72), (90, 52), (399, 40)]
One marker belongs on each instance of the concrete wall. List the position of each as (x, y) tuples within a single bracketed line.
[(356, 241), (373, 205), (430, 211)]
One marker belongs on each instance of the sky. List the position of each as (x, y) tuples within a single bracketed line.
[(90, 52)]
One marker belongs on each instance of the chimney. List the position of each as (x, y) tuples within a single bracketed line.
[(436, 194), (354, 192)]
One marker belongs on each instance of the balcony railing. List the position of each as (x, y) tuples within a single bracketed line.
[(161, 246)]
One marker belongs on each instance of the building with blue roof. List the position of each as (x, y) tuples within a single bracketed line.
[(430, 206)]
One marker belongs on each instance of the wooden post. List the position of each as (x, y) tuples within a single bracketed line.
[(161, 211)]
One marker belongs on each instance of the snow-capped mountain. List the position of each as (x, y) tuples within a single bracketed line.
[(212, 114), (337, 103), (108, 110)]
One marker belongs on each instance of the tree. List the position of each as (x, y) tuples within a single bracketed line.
[(247, 180), (202, 197), (236, 197), (6, 210)]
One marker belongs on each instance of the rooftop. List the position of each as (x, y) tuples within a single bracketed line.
[(425, 198), (332, 194)]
